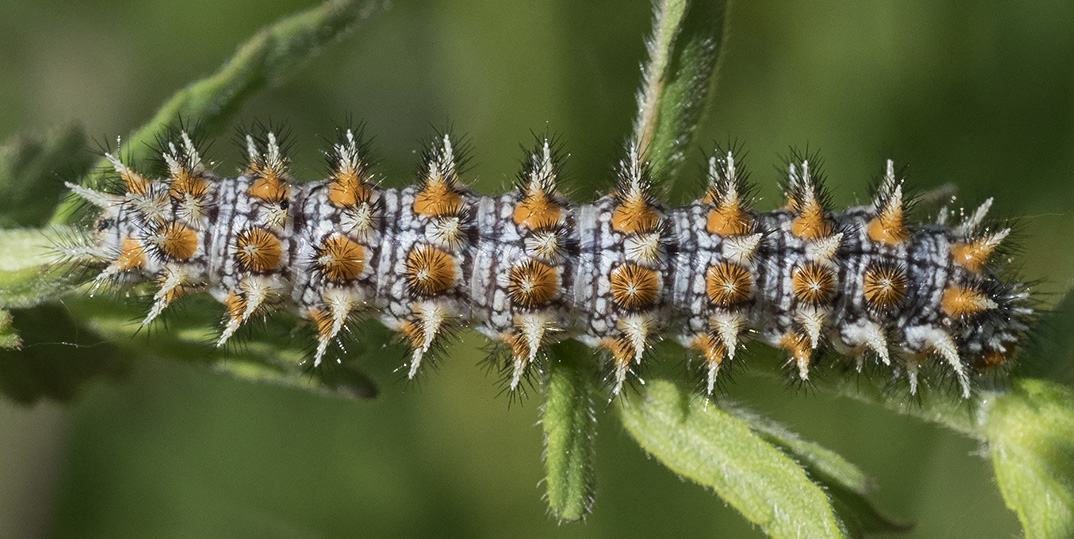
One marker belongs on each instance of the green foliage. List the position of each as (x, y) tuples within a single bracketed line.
[(1030, 432), (777, 480), (845, 483), (30, 275), (570, 430), (709, 446), (267, 58), (276, 356), (8, 338), (684, 53)]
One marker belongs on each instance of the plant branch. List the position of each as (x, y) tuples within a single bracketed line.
[(268, 58)]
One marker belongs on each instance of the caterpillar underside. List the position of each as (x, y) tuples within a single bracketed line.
[(529, 268)]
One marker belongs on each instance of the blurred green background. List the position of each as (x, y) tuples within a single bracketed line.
[(980, 94)]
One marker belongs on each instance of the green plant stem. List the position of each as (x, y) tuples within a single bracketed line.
[(269, 57)]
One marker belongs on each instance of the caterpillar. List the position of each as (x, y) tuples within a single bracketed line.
[(529, 268)]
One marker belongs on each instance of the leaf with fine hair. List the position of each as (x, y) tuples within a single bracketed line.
[(1027, 428), (677, 78), (845, 483), (810, 454), (570, 428), (269, 57), (29, 274), (1030, 432), (699, 441)]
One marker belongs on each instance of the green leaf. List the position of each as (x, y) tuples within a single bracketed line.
[(1031, 441), (857, 513), (570, 428), (810, 454), (29, 274), (845, 483), (1028, 428), (30, 170), (700, 441), (269, 57), (59, 355), (667, 22), (684, 52)]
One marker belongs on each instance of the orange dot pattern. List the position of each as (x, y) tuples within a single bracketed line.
[(430, 271), (635, 287), (728, 284), (341, 259), (814, 284), (884, 285), (529, 268), (258, 250), (532, 283), (177, 241)]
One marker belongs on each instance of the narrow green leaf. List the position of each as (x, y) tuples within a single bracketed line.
[(1030, 431), (269, 57), (59, 356), (570, 428), (810, 454), (845, 483), (713, 448), (858, 514), (678, 76), (30, 169), (1028, 426), (667, 22)]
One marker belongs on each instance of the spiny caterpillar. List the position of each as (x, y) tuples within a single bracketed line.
[(529, 268)]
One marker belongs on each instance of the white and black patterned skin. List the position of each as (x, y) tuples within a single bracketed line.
[(934, 303)]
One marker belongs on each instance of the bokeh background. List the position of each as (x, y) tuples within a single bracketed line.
[(980, 94)]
